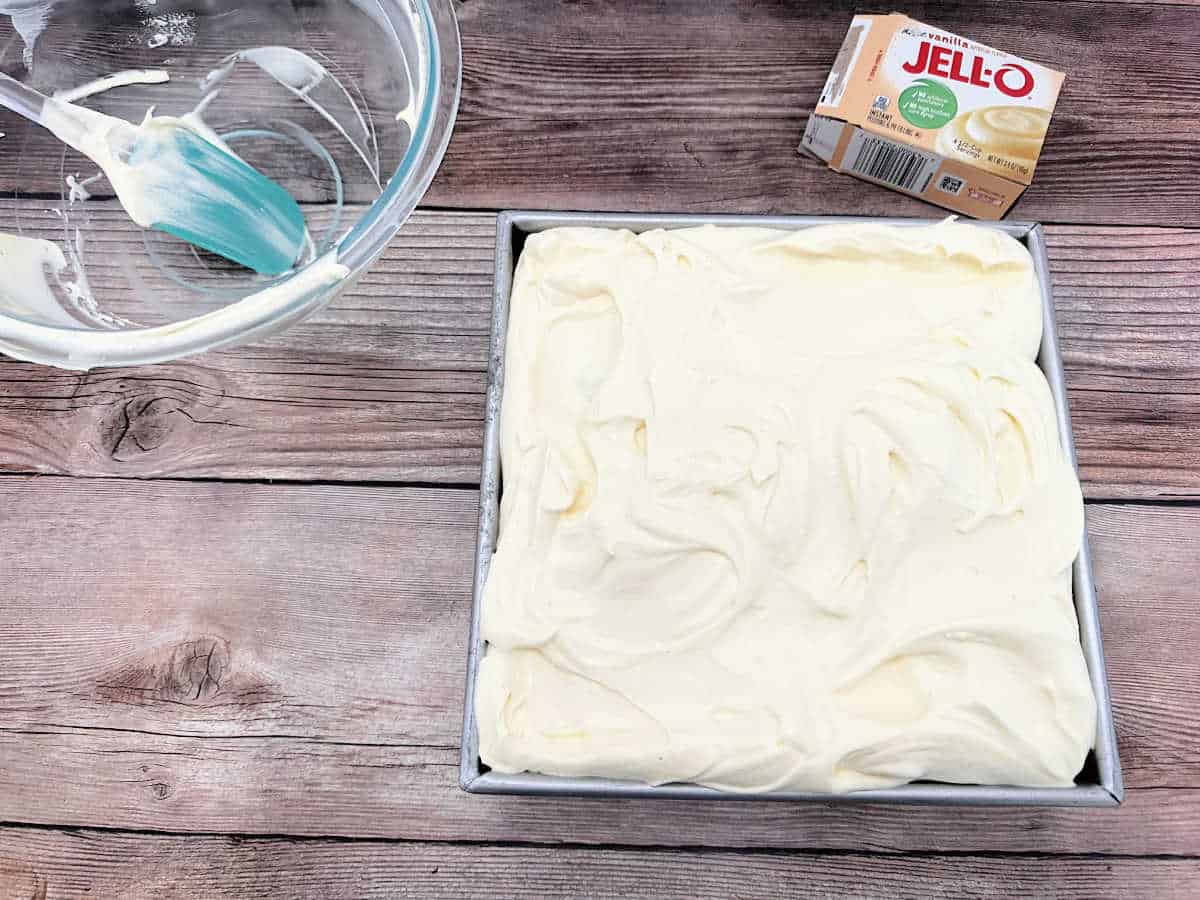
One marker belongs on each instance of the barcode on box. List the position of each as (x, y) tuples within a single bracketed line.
[(888, 162), (948, 184)]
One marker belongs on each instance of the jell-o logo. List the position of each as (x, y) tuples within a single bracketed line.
[(1011, 78)]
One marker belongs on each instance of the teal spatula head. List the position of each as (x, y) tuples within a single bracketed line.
[(170, 177), (176, 175)]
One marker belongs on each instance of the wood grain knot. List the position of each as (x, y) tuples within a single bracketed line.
[(136, 426), (152, 411), (156, 780), (192, 672)]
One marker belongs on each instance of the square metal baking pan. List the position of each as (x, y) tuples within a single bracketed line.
[(1100, 782)]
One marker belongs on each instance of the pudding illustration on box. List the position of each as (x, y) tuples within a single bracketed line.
[(932, 114)]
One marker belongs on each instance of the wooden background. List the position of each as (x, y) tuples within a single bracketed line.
[(234, 590)]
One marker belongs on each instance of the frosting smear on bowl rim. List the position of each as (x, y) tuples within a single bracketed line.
[(782, 510)]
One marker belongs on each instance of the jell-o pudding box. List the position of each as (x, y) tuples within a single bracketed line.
[(932, 114)]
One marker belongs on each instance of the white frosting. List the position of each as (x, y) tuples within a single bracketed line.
[(29, 18), (123, 78), (28, 266), (782, 510), (241, 321)]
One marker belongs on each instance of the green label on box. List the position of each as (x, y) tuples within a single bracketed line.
[(928, 104)]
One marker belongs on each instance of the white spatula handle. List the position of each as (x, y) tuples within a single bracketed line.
[(69, 126), (21, 99)]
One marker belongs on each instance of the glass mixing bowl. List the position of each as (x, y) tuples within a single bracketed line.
[(348, 104)]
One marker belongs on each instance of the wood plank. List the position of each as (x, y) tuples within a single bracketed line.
[(50, 864), (252, 785), (1147, 565), (387, 384), (289, 659), (687, 107), (1128, 309), (678, 105), (235, 610)]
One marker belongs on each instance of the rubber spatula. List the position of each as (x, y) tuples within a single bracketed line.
[(170, 177)]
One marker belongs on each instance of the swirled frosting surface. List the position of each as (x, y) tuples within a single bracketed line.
[(782, 510)]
